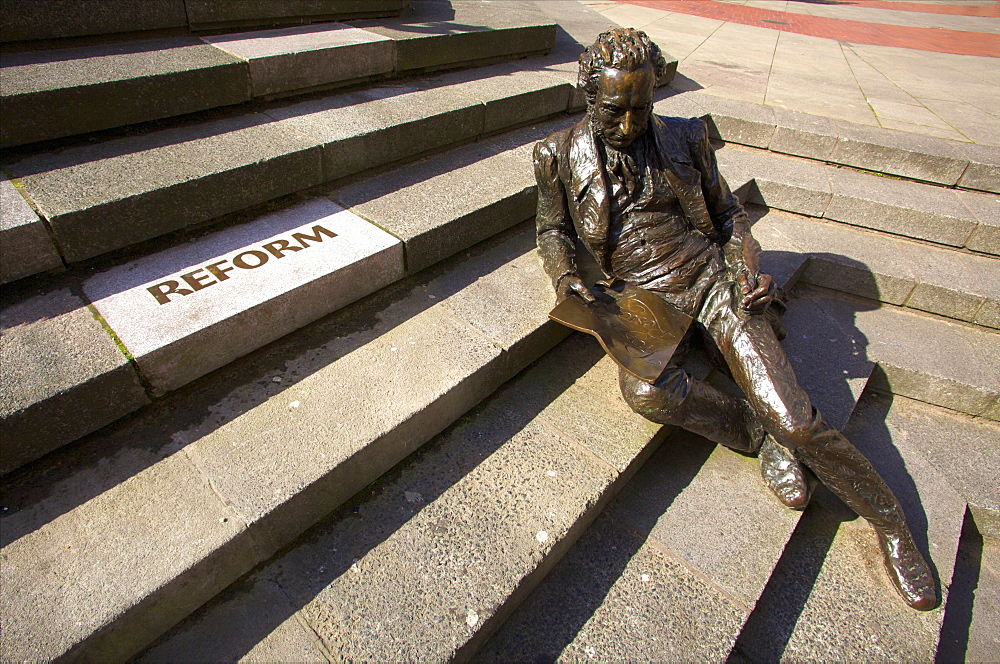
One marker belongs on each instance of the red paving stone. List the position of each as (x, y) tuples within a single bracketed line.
[(925, 39), (991, 10)]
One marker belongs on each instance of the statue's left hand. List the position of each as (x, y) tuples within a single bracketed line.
[(757, 293)]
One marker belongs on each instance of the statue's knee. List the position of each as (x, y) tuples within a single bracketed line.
[(798, 431), (656, 402)]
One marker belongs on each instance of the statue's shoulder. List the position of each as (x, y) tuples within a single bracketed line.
[(684, 129)]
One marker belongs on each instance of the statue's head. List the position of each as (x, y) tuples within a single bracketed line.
[(619, 73)]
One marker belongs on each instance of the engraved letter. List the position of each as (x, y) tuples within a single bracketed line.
[(219, 272), (240, 262), (315, 237), (279, 246), (197, 283), (162, 291)]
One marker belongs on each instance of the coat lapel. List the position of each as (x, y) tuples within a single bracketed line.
[(683, 178), (589, 188)]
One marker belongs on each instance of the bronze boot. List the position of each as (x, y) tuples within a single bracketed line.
[(841, 467), (783, 475)]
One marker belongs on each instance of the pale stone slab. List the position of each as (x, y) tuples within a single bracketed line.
[(418, 203), (737, 121), (25, 245), (193, 308), (983, 172), (785, 183), (307, 56)]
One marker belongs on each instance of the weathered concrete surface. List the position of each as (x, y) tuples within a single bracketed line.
[(965, 450), (802, 134), (303, 57), (924, 358), (730, 120), (421, 205), (63, 377), (409, 571), (832, 564), (511, 96), (899, 207), (950, 283), (116, 560), (390, 371), (110, 195), (207, 14), (983, 172), (437, 34), (51, 94), (52, 19), (25, 245), (193, 308), (795, 185), (899, 153), (619, 595), (986, 208), (374, 127)]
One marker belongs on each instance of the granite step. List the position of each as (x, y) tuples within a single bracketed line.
[(425, 564), (58, 93), (153, 516), (921, 276), (949, 217), (832, 565), (105, 342), (49, 23), (898, 153), (428, 561), (103, 197)]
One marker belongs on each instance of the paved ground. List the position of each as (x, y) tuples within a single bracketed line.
[(931, 68)]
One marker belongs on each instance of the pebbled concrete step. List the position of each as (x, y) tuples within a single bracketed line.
[(187, 310), (936, 160), (421, 567), (961, 219), (888, 269), (57, 93), (110, 195), (50, 21), (427, 562), (155, 515), (832, 564)]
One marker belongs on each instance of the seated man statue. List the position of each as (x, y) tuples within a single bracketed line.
[(645, 196)]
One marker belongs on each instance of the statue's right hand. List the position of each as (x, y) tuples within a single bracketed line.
[(571, 284)]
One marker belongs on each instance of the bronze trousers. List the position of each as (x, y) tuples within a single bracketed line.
[(774, 400)]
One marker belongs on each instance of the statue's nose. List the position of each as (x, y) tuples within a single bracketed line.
[(628, 124)]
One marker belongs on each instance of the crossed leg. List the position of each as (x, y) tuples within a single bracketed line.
[(760, 368)]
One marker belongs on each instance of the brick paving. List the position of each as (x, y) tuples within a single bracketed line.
[(925, 39)]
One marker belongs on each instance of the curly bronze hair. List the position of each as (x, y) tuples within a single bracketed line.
[(627, 49)]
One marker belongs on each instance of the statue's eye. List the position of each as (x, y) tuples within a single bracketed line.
[(611, 109)]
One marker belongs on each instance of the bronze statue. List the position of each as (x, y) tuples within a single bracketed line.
[(645, 196)]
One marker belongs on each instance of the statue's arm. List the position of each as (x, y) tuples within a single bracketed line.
[(740, 248), (556, 235)]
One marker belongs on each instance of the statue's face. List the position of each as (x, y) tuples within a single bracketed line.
[(623, 104)]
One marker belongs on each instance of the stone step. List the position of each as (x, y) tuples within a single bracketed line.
[(427, 562), (832, 565), (57, 93), (106, 196), (404, 574), (153, 516), (935, 279), (92, 344), (961, 219), (900, 153), (49, 21)]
